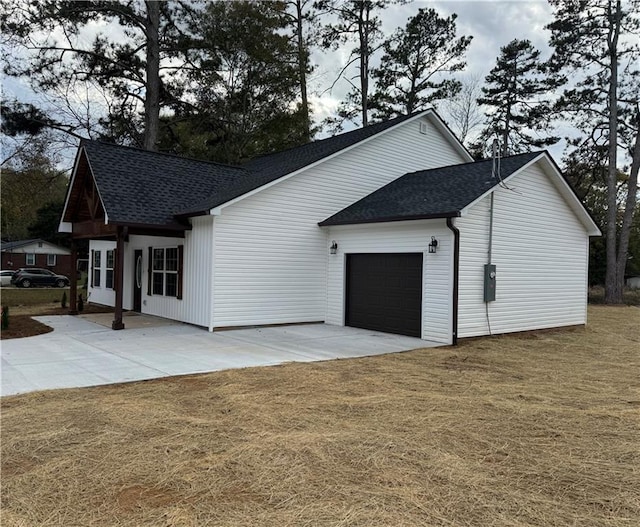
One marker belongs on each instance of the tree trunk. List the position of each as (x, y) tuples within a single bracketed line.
[(302, 72), (629, 210), (613, 283), (152, 95), (363, 30)]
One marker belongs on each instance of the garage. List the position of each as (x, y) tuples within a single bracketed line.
[(384, 292)]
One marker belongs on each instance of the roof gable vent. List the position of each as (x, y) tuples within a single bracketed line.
[(423, 128)]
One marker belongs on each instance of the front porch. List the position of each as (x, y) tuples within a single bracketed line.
[(86, 218)]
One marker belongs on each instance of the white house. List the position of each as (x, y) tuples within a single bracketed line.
[(390, 227)]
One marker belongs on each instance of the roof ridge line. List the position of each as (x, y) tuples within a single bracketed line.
[(166, 154)]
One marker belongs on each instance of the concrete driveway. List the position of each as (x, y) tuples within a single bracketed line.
[(81, 353)]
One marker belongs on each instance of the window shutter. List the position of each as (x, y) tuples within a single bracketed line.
[(115, 269), (150, 271), (180, 262), (91, 268)]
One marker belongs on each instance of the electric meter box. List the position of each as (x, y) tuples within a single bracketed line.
[(489, 282)]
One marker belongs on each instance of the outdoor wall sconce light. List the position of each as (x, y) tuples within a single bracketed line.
[(433, 246), (334, 247)]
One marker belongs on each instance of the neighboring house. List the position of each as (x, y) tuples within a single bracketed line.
[(388, 227), (36, 253), (633, 282)]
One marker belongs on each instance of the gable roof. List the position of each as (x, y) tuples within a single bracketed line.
[(142, 187), (437, 193), (9, 246), (149, 188), (287, 161), (271, 167)]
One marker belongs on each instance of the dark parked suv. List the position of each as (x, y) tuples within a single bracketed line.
[(28, 277)]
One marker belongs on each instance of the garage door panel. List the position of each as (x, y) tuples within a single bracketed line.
[(384, 292)]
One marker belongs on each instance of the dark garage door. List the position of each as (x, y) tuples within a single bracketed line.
[(384, 292)]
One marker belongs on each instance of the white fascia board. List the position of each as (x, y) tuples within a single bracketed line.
[(65, 226), (563, 187), (216, 211), (466, 209), (570, 196), (448, 134)]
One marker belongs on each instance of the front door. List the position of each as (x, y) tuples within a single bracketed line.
[(137, 280)]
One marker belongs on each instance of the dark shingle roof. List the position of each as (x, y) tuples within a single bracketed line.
[(280, 163), (143, 187), (138, 186), (437, 193)]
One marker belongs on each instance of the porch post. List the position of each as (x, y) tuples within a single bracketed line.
[(119, 281), (73, 280)]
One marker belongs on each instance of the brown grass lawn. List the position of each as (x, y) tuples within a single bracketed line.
[(538, 429)]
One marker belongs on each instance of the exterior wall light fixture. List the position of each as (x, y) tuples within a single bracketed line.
[(334, 247), (433, 246)]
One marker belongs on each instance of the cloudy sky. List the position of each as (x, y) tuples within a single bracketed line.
[(491, 23)]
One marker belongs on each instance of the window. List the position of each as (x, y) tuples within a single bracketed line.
[(165, 271), (108, 276), (96, 268), (51, 260), (30, 259)]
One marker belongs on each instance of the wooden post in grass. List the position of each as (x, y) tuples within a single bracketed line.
[(119, 279), (73, 279)]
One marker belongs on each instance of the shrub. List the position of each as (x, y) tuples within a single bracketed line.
[(5, 317), (63, 302)]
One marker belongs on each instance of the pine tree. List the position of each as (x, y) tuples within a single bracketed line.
[(303, 18), (412, 71), (245, 85), (596, 45), (357, 22), (49, 49), (517, 94)]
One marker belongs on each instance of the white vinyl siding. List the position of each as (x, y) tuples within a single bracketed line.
[(195, 306), (540, 251), (399, 237), (271, 256)]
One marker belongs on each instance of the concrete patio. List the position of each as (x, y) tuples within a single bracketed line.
[(81, 352)]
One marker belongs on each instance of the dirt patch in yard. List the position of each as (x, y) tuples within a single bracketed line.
[(510, 430), (23, 326)]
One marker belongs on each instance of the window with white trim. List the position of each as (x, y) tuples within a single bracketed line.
[(30, 259), (108, 275), (165, 271), (97, 262), (51, 260)]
